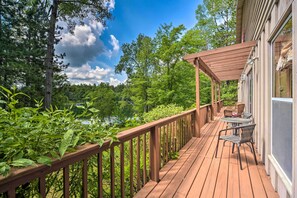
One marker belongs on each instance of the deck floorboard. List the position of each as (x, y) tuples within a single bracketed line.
[(197, 173)]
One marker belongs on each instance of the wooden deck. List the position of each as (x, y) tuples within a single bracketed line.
[(197, 173)]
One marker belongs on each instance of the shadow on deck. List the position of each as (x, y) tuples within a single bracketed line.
[(197, 173)]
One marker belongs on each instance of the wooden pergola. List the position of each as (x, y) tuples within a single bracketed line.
[(221, 64)]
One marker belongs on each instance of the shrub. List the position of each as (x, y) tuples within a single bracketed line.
[(162, 111), (30, 135)]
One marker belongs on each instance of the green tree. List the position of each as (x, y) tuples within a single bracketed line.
[(138, 61), (23, 38), (70, 12), (103, 98), (216, 19), (173, 80), (216, 22)]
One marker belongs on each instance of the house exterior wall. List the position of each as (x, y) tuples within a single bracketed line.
[(260, 21)]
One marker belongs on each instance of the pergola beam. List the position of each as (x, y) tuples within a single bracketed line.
[(207, 70)]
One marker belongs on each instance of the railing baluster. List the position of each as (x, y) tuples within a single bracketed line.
[(192, 124), (188, 128), (170, 139), (180, 134), (183, 131), (85, 178), (100, 175), (131, 169), (175, 136), (144, 159), (42, 186), (138, 163), (112, 175), (166, 143), (66, 181), (122, 152)]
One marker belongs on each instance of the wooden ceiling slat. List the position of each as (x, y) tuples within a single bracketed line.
[(237, 65), (215, 70), (222, 73), (241, 55), (230, 78), (227, 61)]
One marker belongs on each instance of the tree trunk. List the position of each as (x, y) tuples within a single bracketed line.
[(49, 56)]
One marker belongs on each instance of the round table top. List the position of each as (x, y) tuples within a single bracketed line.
[(236, 120)]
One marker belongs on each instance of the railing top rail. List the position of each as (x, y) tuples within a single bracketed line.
[(134, 132)]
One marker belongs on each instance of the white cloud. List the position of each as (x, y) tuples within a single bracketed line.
[(115, 43), (88, 75), (98, 27), (82, 35), (114, 81), (84, 44), (110, 4)]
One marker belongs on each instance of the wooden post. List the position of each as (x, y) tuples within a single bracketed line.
[(215, 98), (197, 113), (219, 97), (212, 99), (155, 153)]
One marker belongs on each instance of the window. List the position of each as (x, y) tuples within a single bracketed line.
[(282, 63), (282, 102)]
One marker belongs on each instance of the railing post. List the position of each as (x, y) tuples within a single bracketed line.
[(155, 153), (197, 112), (212, 99), (207, 114)]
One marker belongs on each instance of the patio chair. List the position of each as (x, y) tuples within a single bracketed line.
[(247, 115), (245, 136), (235, 113)]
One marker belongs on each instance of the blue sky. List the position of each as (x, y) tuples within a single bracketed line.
[(94, 50)]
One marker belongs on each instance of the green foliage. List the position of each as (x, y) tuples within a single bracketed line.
[(23, 38), (216, 19), (229, 92), (138, 61), (133, 122), (29, 135), (162, 111)]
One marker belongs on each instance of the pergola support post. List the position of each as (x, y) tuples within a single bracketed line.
[(197, 113), (219, 98), (212, 99)]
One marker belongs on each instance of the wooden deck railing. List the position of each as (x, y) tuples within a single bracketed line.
[(117, 169)]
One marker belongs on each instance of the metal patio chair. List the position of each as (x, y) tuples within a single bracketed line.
[(245, 136)]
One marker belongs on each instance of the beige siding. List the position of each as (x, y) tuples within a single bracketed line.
[(253, 20), (260, 21)]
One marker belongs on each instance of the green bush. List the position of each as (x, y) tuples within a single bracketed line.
[(162, 111), (31, 135)]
